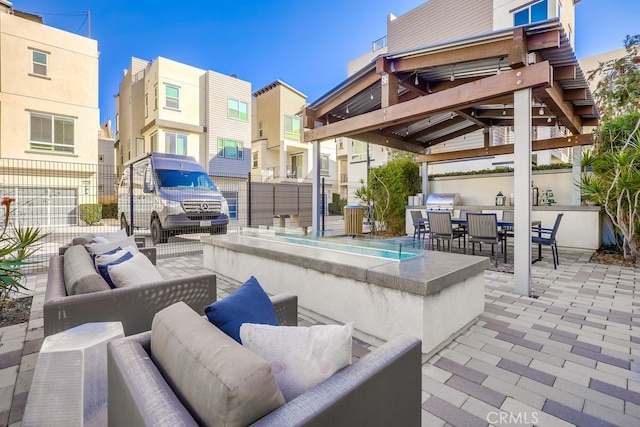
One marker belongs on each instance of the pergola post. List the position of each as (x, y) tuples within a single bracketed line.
[(576, 170), (522, 192), (424, 170), (315, 190)]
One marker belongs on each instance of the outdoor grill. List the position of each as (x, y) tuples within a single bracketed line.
[(442, 201)]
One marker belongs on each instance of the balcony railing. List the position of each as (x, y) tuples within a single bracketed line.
[(379, 44)]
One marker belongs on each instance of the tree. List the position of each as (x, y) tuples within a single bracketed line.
[(615, 160), (387, 190)]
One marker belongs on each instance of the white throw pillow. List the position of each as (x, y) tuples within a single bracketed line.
[(98, 248), (135, 271), (300, 357)]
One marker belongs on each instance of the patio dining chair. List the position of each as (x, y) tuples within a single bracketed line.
[(483, 228), (507, 216), (547, 236), (441, 229), (463, 215), (420, 224)]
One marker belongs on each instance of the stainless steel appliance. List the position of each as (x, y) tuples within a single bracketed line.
[(442, 201)]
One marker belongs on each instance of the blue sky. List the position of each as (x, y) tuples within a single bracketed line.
[(305, 44)]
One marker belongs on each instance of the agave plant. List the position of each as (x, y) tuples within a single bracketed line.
[(16, 247)]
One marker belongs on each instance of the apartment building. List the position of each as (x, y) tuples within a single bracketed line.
[(170, 107), (106, 165), (437, 22), (277, 151), (48, 119)]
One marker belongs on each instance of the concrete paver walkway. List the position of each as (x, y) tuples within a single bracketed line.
[(569, 357)]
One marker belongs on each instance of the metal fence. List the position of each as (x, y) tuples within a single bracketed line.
[(67, 199)]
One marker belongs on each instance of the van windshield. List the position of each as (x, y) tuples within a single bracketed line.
[(169, 178)]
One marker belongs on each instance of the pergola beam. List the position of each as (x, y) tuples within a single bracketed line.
[(460, 97), (553, 96), (389, 141), (543, 144), (349, 93)]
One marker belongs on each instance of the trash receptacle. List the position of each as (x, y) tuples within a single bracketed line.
[(353, 216)]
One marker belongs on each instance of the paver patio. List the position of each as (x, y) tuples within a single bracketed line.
[(569, 357)]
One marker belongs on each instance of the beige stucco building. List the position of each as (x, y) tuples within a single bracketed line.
[(169, 107), (48, 118), (277, 150)]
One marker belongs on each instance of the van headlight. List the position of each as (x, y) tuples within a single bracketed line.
[(172, 207), (224, 208)]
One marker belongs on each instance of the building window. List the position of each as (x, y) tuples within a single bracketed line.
[(238, 110), (532, 13), (154, 141), (292, 127), (296, 167), (146, 105), (254, 163), (175, 143), (324, 164), (100, 188), (155, 97), (359, 151), (230, 149), (39, 62), (232, 200), (140, 146), (260, 132), (52, 133), (172, 94)]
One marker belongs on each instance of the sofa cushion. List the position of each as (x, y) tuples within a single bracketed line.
[(110, 237), (83, 239), (105, 261), (300, 357), (98, 248), (223, 382), (134, 271), (247, 304), (80, 275)]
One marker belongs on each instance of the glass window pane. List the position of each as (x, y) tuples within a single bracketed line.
[(220, 147), (173, 92), (40, 128), (243, 111), (39, 57), (240, 150), (521, 18), (182, 145), (539, 11), (230, 149)]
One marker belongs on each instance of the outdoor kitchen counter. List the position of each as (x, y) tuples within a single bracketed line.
[(431, 296), (580, 227)]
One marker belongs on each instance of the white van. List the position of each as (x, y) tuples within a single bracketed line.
[(170, 194)]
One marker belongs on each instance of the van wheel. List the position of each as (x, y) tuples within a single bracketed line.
[(158, 235), (125, 225)]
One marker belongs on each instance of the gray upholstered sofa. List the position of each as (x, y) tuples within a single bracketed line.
[(134, 305), (381, 389)]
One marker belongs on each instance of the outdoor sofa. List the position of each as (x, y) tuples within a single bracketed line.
[(382, 388), (65, 306)]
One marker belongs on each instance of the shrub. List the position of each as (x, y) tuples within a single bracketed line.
[(110, 210), (91, 213), (337, 204)]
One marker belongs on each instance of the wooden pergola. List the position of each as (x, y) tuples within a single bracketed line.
[(415, 100)]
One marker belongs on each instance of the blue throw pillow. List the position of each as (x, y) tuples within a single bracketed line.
[(103, 269), (248, 304)]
